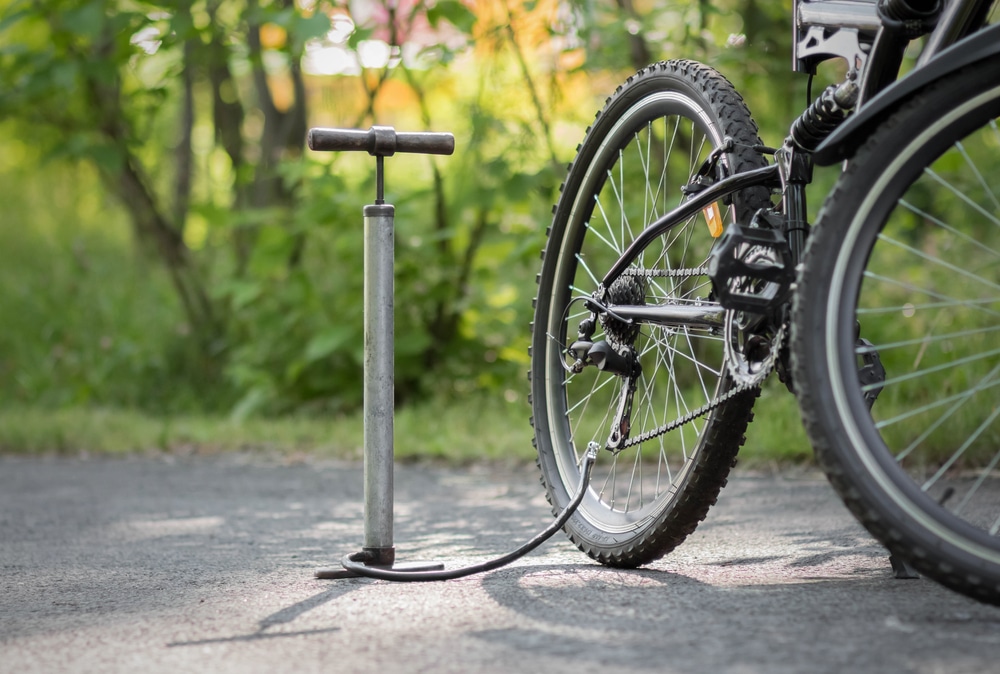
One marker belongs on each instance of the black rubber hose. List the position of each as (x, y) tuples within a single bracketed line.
[(355, 562)]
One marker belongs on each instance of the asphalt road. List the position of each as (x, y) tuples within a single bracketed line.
[(205, 564)]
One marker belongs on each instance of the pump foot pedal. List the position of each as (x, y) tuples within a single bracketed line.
[(404, 567)]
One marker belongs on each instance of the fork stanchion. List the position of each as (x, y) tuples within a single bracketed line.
[(379, 360)]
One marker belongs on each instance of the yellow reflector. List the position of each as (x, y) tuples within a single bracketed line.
[(714, 219)]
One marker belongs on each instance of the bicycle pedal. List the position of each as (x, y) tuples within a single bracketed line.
[(751, 267)]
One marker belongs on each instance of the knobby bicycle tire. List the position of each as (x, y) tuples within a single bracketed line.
[(898, 309), (649, 140)]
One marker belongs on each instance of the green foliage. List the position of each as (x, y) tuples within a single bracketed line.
[(453, 12), (224, 263), (86, 320), (170, 246)]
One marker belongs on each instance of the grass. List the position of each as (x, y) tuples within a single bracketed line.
[(475, 431), (478, 429)]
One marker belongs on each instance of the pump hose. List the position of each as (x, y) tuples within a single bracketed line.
[(355, 562)]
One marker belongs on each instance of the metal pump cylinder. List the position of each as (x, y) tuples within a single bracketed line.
[(379, 379)]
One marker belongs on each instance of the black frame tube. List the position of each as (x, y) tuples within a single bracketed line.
[(766, 175)]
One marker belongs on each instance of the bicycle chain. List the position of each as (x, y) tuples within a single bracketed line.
[(707, 407), (666, 273), (690, 416)]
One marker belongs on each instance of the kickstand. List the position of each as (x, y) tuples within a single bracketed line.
[(902, 569)]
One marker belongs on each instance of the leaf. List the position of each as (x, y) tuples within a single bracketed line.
[(455, 13), (62, 75), (327, 342), (304, 28), (87, 20), (181, 27), (412, 344), (12, 17), (107, 157), (358, 36), (252, 402), (243, 293)]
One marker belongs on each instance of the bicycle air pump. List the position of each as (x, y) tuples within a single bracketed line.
[(377, 558)]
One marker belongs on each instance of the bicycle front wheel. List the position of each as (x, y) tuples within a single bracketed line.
[(896, 333), (650, 492)]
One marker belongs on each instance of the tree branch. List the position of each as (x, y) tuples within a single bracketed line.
[(183, 155), (532, 89), (638, 49)]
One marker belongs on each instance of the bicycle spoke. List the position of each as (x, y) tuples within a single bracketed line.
[(615, 246), (946, 415), (947, 300), (979, 176), (923, 341), (977, 484), (610, 245), (910, 308), (961, 450), (586, 268), (962, 196), (917, 411), (949, 228), (939, 262)]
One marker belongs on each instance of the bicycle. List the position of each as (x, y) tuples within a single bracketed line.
[(656, 322)]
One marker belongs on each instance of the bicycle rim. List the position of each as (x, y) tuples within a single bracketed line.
[(631, 176)]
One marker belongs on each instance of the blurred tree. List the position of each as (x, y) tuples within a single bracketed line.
[(101, 81), (195, 112)]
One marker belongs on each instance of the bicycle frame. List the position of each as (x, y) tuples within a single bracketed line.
[(679, 322), (720, 190), (852, 30)]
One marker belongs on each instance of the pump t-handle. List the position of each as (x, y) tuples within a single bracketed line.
[(380, 141)]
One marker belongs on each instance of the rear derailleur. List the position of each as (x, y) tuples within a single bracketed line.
[(616, 354), (621, 361)]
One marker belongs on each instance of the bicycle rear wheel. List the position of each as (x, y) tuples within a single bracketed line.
[(649, 141), (896, 333)]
